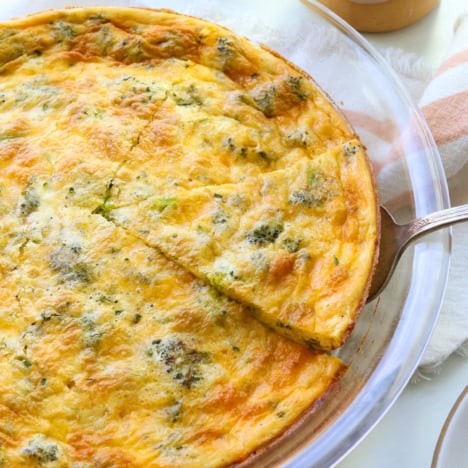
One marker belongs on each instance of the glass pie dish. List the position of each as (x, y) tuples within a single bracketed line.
[(392, 331)]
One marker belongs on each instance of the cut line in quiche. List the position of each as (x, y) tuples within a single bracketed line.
[(297, 245), (112, 351)]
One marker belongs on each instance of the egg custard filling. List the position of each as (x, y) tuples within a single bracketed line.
[(188, 225)]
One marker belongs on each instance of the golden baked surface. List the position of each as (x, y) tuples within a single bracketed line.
[(153, 168)]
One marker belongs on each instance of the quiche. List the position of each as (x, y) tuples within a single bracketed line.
[(187, 227)]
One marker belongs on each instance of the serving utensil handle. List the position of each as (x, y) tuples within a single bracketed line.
[(436, 220)]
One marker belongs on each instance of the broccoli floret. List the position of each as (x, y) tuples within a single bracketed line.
[(264, 233), (182, 362), (292, 245), (30, 202), (40, 450), (66, 261), (305, 198)]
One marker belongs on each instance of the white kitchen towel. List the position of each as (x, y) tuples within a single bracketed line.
[(443, 97)]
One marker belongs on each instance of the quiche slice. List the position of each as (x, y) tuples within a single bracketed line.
[(112, 355), (296, 244)]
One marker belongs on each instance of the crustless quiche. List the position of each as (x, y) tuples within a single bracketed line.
[(187, 226)]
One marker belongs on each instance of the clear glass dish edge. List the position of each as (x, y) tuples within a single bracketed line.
[(360, 418)]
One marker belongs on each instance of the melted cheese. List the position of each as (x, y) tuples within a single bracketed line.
[(111, 354)]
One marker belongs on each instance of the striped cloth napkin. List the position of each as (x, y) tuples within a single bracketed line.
[(442, 96), (444, 104)]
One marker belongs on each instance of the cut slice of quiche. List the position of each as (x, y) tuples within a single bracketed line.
[(297, 244)]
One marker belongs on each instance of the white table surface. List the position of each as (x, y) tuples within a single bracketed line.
[(407, 435)]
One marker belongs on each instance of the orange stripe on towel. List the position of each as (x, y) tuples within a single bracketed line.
[(384, 129), (447, 117), (453, 61)]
